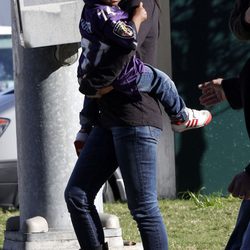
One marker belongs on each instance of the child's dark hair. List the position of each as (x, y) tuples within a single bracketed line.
[(124, 6)]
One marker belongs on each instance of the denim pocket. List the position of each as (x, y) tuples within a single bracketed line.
[(155, 132)]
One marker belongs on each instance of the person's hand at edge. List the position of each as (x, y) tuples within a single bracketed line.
[(247, 15), (240, 186), (212, 92)]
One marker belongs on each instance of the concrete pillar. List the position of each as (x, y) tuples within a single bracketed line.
[(47, 107), (46, 112), (166, 170)]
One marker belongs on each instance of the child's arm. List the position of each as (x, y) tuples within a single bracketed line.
[(139, 16), (116, 29)]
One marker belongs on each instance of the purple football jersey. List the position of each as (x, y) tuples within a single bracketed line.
[(102, 26)]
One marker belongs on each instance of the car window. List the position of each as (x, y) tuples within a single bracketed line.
[(6, 63)]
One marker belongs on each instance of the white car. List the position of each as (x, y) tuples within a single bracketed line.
[(114, 188), (8, 152), (8, 147), (6, 65)]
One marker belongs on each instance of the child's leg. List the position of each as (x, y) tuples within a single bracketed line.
[(182, 118), (159, 84)]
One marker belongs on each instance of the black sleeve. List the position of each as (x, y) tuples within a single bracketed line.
[(232, 89), (89, 114)]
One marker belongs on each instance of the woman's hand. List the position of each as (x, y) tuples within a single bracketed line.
[(240, 186), (212, 92)]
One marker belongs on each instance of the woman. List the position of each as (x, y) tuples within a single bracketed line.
[(236, 91), (127, 135)]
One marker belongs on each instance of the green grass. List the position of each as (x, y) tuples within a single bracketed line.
[(190, 226), (199, 223)]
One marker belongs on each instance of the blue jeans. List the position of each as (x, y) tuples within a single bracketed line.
[(160, 85), (240, 237), (135, 149)]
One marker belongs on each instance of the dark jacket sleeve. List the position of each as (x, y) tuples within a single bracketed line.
[(239, 27), (237, 92), (232, 91)]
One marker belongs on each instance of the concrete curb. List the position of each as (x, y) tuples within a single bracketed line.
[(138, 246)]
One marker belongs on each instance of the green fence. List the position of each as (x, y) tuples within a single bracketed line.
[(203, 48)]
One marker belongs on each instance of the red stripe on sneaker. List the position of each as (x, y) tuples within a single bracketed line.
[(192, 123), (196, 123), (187, 125), (209, 119)]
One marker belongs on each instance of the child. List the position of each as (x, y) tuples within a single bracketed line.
[(103, 25)]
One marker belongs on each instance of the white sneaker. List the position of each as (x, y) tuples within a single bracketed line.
[(196, 119)]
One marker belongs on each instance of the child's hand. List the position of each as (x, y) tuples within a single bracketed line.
[(140, 14), (104, 90), (247, 16)]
